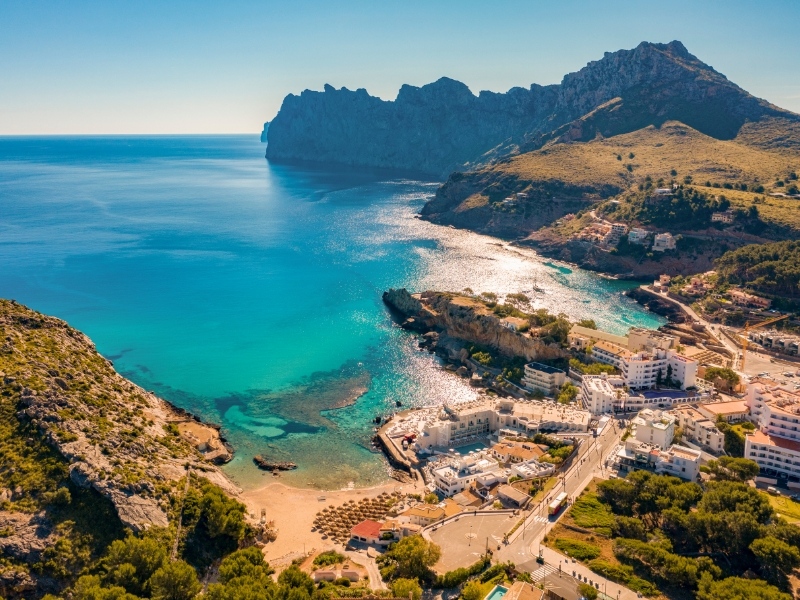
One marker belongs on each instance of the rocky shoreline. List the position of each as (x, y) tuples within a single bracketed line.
[(449, 322), (118, 439)]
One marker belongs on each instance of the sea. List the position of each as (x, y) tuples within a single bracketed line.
[(250, 293)]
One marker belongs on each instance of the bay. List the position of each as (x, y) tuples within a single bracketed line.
[(250, 293)]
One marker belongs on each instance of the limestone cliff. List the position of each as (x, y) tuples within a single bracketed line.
[(443, 127), (118, 439), (469, 320)]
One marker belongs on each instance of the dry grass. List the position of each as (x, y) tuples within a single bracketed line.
[(783, 211), (788, 509), (657, 151)]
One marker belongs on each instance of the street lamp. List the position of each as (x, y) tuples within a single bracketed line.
[(469, 543)]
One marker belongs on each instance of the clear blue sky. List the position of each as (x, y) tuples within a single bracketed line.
[(193, 67)]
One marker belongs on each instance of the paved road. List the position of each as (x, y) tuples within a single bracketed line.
[(524, 544), (375, 581), (586, 466)]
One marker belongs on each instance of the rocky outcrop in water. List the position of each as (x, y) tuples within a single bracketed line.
[(270, 465), (463, 319), (443, 127)]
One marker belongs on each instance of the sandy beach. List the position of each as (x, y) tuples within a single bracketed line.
[(294, 509)]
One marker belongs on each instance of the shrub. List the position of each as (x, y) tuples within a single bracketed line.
[(588, 511), (331, 557), (402, 588), (587, 591), (577, 549), (342, 581)]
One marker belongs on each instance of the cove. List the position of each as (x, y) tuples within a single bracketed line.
[(250, 293)]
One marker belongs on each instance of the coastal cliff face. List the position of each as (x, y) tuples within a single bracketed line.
[(114, 437), (443, 127), (469, 320)]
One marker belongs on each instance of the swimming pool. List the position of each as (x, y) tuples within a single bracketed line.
[(464, 450), (497, 592)]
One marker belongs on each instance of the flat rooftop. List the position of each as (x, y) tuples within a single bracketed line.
[(544, 368), (726, 408)]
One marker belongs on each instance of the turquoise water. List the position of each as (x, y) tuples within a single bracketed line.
[(250, 293), (497, 592)]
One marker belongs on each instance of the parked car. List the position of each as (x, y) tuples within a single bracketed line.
[(773, 491), (795, 497)]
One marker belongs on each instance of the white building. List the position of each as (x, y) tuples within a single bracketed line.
[(775, 445), (532, 417), (637, 235), (663, 242), (544, 378), (678, 461), (647, 339), (457, 424), (699, 429), (640, 370), (454, 474), (597, 394), (655, 427), (532, 469)]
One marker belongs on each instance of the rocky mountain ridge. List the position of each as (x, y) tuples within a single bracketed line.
[(443, 127)]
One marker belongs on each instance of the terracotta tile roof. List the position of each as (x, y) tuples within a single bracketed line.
[(759, 437), (367, 529)]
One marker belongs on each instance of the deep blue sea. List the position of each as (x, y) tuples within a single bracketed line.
[(250, 293)]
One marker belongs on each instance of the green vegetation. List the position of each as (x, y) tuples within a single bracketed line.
[(410, 558), (725, 378), (679, 535), (772, 269), (587, 591), (331, 557), (730, 468), (456, 577), (577, 549), (689, 207), (567, 393), (734, 437), (624, 575), (590, 513), (405, 588), (591, 368)]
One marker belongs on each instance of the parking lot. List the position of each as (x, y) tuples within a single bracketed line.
[(464, 540)]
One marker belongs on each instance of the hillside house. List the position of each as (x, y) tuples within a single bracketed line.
[(663, 242)]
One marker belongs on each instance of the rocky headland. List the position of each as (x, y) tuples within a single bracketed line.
[(82, 448), (450, 322)]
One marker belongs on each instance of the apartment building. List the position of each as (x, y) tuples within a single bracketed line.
[(641, 369), (655, 427), (597, 394), (775, 446), (699, 429), (543, 378), (678, 461)]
